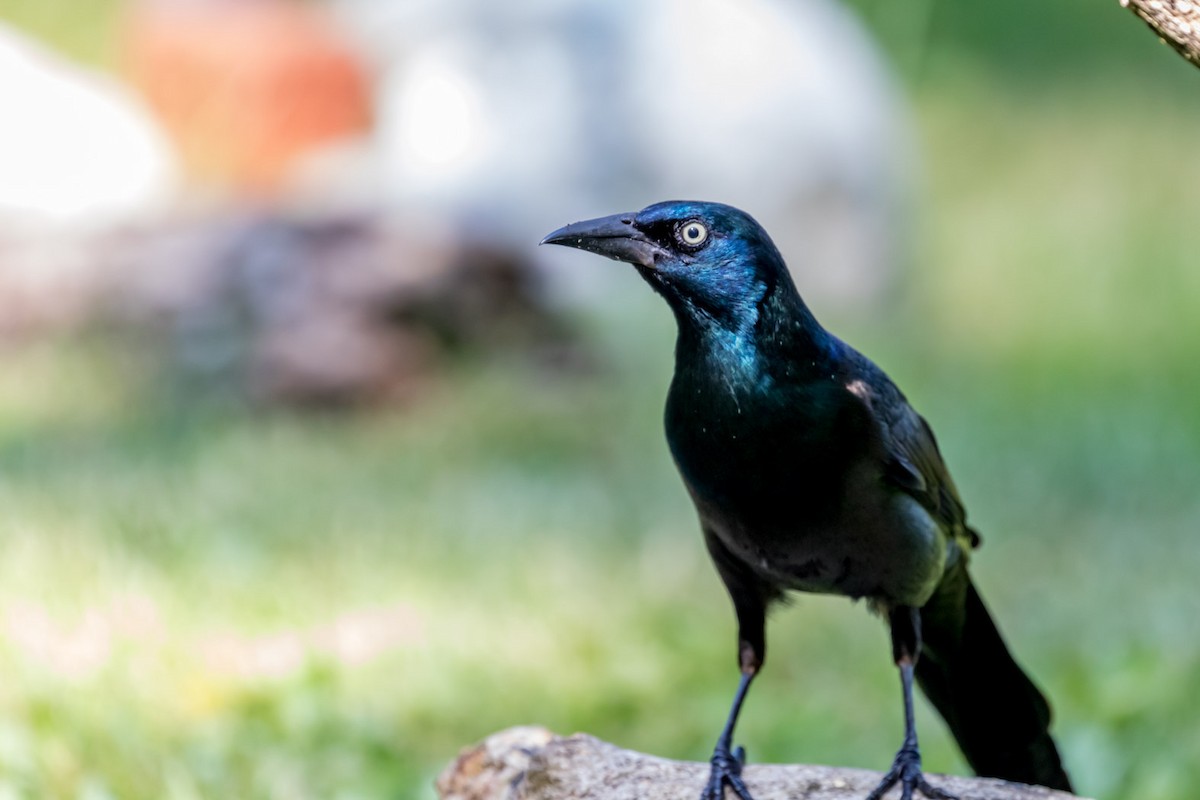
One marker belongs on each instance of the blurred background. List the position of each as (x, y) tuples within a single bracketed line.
[(314, 469)]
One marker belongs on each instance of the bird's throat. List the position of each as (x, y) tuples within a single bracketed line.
[(753, 344)]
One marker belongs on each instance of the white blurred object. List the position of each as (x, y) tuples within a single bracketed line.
[(511, 119), (74, 147)]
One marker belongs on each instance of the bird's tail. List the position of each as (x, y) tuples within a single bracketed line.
[(999, 718)]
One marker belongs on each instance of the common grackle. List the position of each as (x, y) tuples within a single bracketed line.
[(811, 472)]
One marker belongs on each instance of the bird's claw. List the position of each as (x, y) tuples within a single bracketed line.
[(726, 771), (906, 770)]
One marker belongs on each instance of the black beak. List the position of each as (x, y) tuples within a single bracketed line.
[(614, 237)]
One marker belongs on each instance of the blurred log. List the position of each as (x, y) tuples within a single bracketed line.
[(1177, 22), (317, 308), (326, 309), (534, 764)]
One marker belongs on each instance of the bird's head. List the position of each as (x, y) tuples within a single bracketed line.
[(712, 262)]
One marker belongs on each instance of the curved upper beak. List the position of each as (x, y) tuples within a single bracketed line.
[(615, 237)]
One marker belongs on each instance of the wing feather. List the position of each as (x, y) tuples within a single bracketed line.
[(913, 463)]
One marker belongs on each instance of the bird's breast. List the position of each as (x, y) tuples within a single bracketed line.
[(755, 447), (789, 482)]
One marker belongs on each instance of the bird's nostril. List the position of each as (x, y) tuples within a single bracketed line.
[(627, 220)]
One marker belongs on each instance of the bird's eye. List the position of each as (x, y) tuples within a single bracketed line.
[(692, 233)]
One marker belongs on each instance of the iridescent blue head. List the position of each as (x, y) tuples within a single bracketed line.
[(713, 263)]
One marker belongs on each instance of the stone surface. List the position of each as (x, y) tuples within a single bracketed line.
[(530, 763)]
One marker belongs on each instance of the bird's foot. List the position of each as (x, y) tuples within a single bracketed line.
[(906, 771), (726, 771)]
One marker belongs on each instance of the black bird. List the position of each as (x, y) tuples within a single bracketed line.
[(811, 472)]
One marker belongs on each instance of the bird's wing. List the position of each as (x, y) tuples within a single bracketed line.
[(912, 461)]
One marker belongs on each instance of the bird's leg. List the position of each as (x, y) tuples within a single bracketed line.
[(726, 760), (906, 769), (750, 600)]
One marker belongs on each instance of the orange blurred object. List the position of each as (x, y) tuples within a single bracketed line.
[(246, 88)]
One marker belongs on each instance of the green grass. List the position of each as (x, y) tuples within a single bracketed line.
[(202, 602), (1024, 43), (85, 30)]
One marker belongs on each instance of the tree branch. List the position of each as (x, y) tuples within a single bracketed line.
[(1177, 22), (534, 764)]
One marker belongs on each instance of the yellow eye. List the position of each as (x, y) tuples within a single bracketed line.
[(693, 233)]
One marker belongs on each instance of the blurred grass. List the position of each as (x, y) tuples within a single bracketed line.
[(202, 602), (522, 547), (81, 29), (1023, 43)]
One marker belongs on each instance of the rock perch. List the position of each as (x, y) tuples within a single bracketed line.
[(530, 763)]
